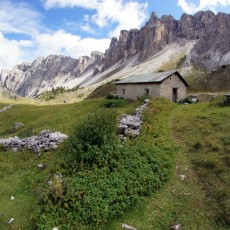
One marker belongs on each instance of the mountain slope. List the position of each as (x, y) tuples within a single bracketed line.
[(210, 31), (29, 79)]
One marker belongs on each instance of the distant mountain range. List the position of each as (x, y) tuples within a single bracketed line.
[(200, 41)]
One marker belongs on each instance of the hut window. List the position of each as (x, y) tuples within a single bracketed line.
[(146, 92), (123, 91)]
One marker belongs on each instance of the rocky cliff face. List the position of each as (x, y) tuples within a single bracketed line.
[(28, 79), (209, 30), (212, 49)]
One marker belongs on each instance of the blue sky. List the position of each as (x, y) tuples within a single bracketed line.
[(32, 28)]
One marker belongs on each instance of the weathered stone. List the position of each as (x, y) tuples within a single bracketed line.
[(182, 177), (132, 133), (176, 227), (129, 125), (45, 141), (40, 166), (126, 226), (14, 150), (16, 126), (11, 221)]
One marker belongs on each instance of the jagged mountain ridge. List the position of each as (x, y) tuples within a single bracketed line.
[(209, 32), (29, 79)]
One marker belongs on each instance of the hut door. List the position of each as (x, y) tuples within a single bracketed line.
[(174, 94)]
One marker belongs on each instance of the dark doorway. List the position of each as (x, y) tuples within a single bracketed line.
[(174, 94)]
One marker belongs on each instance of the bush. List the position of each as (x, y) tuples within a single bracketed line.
[(91, 137)]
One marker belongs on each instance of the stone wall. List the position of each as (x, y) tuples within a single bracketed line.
[(45, 141)]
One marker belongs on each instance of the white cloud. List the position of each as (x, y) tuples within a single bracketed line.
[(191, 8), (124, 14), (10, 52), (19, 18), (68, 44), (87, 28), (88, 4)]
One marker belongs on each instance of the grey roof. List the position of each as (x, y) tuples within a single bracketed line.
[(149, 77)]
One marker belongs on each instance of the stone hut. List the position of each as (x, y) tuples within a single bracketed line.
[(170, 85)]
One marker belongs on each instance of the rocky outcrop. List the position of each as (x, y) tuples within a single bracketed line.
[(45, 141), (28, 79), (209, 30), (212, 50), (129, 125)]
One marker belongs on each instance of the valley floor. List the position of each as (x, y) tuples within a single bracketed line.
[(196, 195)]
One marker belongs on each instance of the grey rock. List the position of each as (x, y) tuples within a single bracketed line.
[(45, 141), (14, 150), (40, 166), (182, 177), (132, 133), (129, 125), (176, 227), (16, 126), (11, 221)]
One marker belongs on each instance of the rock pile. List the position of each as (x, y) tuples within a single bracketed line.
[(5, 108), (45, 141), (129, 125)]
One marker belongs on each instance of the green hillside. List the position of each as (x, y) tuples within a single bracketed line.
[(177, 171)]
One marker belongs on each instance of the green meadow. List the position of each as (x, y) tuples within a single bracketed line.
[(190, 140)]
